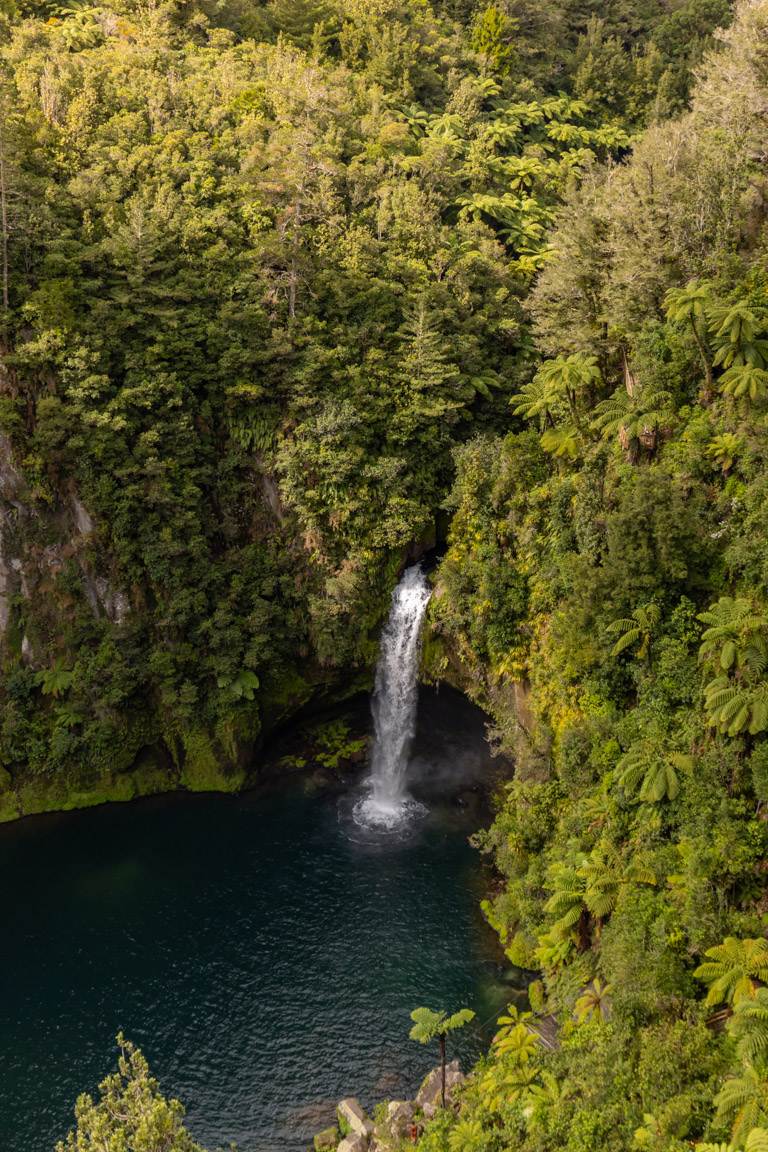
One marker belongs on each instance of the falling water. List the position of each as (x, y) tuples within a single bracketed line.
[(395, 700)]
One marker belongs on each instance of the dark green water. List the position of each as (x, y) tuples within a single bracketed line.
[(263, 954)]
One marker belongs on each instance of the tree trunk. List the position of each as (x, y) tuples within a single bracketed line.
[(3, 224), (294, 273), (630, 380), (442, 1069), (708, 394), (584, 931)]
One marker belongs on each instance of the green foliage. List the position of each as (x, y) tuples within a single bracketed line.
[(749, 1026), (557, 396), (55, 681), (732, 969), (595, 1001), (130, 1114), (636, 630), (429, 1025), (757, 1141), (286, 284), (743, 1102), (335, 744), (735, 647), (725, 450), (630, 846), (493, 36), (650, 776)]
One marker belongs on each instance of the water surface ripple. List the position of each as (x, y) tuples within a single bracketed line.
[(264, 960)]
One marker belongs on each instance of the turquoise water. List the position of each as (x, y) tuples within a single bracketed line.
[(263, 952)]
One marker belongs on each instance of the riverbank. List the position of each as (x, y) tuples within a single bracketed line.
[(307, 726)]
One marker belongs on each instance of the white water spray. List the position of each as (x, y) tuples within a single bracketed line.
[(394, 704)]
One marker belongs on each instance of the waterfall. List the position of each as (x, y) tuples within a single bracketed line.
[(395, 702)]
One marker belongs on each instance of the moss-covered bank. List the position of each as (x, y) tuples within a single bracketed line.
[(199, 762)]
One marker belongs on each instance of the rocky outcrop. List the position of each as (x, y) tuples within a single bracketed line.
[(83, 518), (327, 1140), (352, 1118), (400, 1114), (353, 1143), (428, 1098), (398, 1122)]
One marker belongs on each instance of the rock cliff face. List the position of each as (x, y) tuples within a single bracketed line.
[(514, 731), (94, 704)]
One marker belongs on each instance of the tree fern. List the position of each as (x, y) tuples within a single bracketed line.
[(660, 783), (735, 646), (562, 442), (749, 1026), (734, 329), (757, 1141), (732, 969), (745, 382), (537, 400), (743, 1102), (724, 450), (594, 1002), (637, 419), (637, 629)]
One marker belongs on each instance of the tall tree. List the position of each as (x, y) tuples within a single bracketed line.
[(429, 1026)]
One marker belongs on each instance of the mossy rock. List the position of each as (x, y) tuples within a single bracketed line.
[(344, 1128), (150, 776), (42, 794), (327, 1140), (111, 789), (9, 804), (280, 699), (204, 771), (61, 794)]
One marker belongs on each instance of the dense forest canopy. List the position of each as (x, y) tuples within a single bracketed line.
[(606, 582), (264, 268), (284, 287)]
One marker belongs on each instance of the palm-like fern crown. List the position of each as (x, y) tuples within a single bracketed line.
[(649, 409), (593, 883), (735, 330), (428, 1025), (594, 1001), (636, 629), (733, 969), (749, 1027), (691, 301), (746, 382), (735, 636), (743, 1101), (650, 774), (724, 449), (537, 400), (757, 1141), (735, 645), (574, 373), (514, 1038)]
